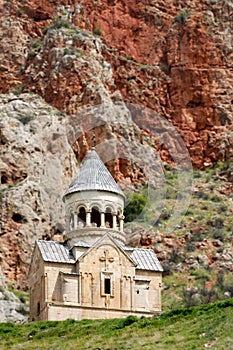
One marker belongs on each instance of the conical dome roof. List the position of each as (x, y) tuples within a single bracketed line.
[(93, 175)]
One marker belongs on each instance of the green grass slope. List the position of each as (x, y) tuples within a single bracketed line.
[(199, 327)]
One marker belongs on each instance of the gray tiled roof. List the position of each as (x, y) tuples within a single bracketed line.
[(55, 252), (146, 259), (51, 251), (93, 175)]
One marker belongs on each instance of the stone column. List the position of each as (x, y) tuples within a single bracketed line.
[(121, 224), (114, 221), (131, 293), (121, 292), (102, 219), (46, 287), (64, 295), (75, 221), (79, 289), (88, 218), (82, 289), (71, 223)]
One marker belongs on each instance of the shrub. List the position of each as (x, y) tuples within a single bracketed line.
[(201, 194), (59, 23), (222, 209), (188, 212), (167, 269), (19, 11), (216, 199), (208, 295), (225, 281), (190, 246), (197, 235), (70, 51), (18, 90), (216, 222), (181, 17), (35, 48), (218, 234), (98, 31), (129, 320), (7, 328), (190, 296), (200, 275), (135, 207), (164, 68), (36, 44), (176, 256)]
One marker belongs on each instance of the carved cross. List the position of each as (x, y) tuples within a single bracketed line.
[(106, 258)]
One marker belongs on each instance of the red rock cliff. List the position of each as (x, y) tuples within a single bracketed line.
[(174, 57)]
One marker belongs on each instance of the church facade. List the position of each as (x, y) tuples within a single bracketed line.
[(93, 274)]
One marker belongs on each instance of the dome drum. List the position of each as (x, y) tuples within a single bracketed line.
[(90, 234), (98, 209)]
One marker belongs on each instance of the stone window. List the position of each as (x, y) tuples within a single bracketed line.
[(107, 284)]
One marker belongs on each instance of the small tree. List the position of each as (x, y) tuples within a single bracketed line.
[(137, 202)]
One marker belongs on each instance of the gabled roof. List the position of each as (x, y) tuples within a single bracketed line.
[(93, 175), (55, 252), (146, 259), (143, 259)]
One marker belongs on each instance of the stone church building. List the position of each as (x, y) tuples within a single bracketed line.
[(93, 274)]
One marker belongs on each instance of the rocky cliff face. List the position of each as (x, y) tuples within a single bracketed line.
[(172, 57), (12, 309), (37, 164)]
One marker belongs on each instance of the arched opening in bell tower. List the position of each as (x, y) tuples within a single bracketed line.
[(81, 217), (95, 216), (108, 218)]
